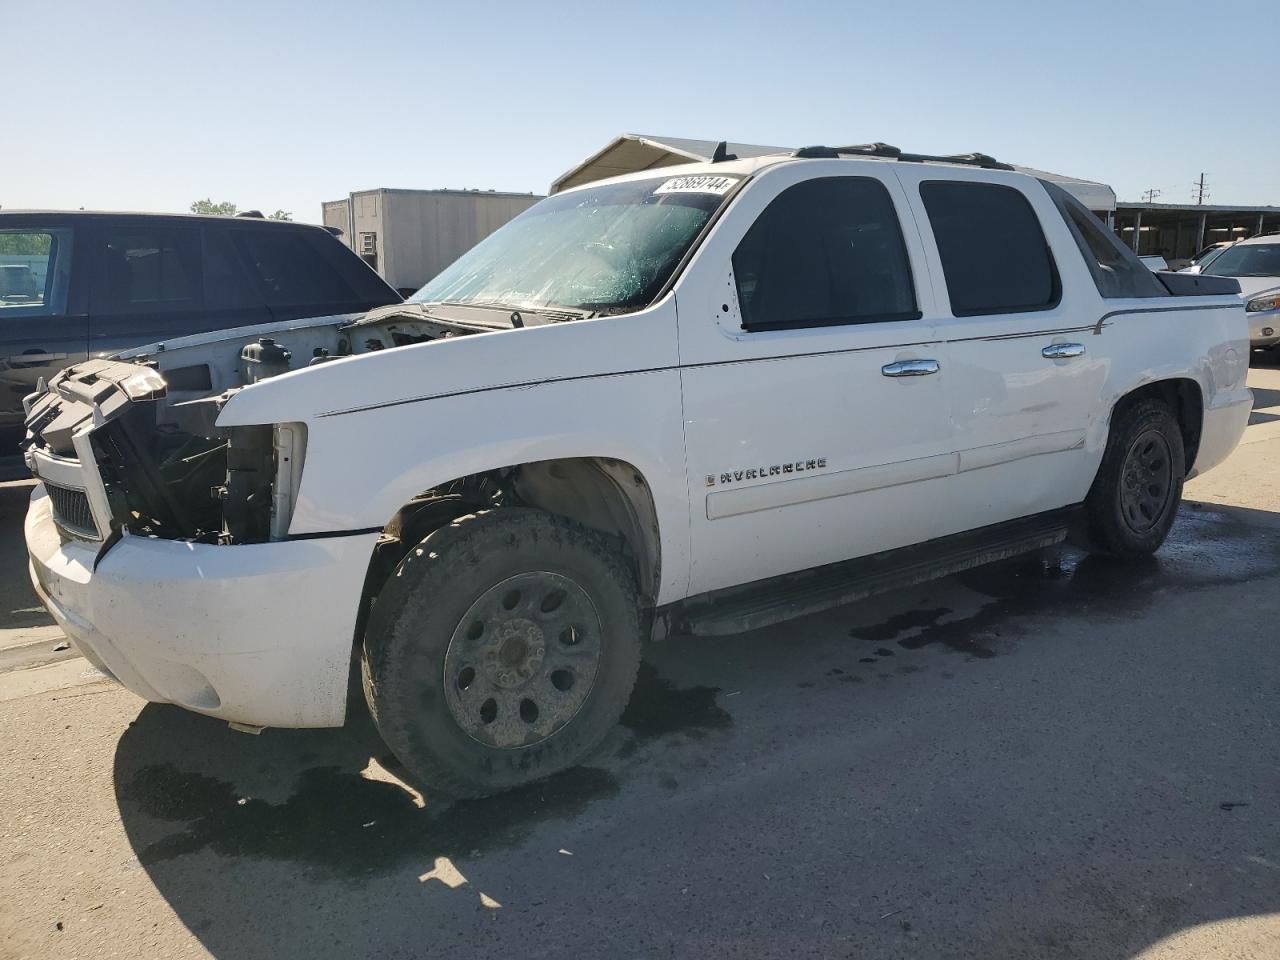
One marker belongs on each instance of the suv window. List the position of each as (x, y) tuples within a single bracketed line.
[(289, 269), (825, 252), (1117, 271), (994, 254), (148, 269), (1247, 260), (35, 266), (227, 285)]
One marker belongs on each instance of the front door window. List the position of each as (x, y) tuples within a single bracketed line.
[(35, 266)]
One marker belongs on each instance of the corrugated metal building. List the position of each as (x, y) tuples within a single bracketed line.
[(409, 236), (1176, 231)]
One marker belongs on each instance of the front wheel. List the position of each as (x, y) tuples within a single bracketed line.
[(1135, 497), (502, 650)]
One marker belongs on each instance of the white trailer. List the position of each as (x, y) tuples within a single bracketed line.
[(409, 236)]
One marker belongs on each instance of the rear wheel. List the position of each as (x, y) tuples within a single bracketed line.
[(502, 650), (1134, 499)]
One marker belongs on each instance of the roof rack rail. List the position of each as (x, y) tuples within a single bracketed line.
[(859, 149), (967, 159), (893, 153), (722, 153)]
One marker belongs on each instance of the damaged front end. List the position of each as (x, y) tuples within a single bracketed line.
[(132, 444), (115, 456)]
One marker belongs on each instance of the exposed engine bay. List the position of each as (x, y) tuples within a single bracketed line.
[(147, 418)]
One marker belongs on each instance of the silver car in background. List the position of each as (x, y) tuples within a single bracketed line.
[(1255, 263), (1206, 257)]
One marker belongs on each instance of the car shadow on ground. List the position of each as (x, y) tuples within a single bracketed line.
[(305, 844), (312, 796), (1264, 400)]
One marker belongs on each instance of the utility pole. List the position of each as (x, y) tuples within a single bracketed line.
[(1201, 189), (1149, 196)]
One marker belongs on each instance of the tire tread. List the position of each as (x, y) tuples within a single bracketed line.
[(440, 562)]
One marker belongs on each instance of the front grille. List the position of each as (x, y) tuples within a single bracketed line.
[(71, 511)]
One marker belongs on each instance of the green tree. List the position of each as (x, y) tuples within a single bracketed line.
[(282, 215), (24, 244), (224, 208)]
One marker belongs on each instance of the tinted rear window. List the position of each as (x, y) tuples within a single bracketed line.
[(288, 268), (994, 254), (148, 269), (298, 267), (227, 284)]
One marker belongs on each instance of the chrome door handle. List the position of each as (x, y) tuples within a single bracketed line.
[(910, 368), (1062, 351)]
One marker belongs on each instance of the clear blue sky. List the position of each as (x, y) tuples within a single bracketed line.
[(149, 106)]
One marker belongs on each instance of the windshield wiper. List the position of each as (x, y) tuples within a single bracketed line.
[(552, 314)]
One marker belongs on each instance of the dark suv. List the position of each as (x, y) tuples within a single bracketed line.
[(77, 285)]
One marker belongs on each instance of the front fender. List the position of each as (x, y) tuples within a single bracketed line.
[(363, 466), (387, 426)]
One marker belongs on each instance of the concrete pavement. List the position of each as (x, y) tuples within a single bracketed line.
[(1055, 757)]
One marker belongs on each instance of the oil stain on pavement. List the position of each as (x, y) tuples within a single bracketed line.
[(658, 708), (1207, 547)]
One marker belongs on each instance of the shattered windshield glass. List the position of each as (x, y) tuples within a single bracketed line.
[(602, 249)]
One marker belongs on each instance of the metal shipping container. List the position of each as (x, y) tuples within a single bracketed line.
[(409, 236)]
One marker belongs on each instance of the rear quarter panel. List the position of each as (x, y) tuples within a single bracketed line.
[(1204, 339)]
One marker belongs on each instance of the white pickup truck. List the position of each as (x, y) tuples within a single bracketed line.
[(696, 400)]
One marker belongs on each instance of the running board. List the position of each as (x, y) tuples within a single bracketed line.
[(766, 602)]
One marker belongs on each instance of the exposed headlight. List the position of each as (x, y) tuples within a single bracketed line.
[(1259, 304), (146, 384)]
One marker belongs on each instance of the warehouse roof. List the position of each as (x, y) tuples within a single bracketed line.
[(633, 152), (1208, 208)]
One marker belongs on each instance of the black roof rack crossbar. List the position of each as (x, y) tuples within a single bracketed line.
[(893, 153), (859, 149), (967, 159)]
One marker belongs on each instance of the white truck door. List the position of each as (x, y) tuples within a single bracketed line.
[(1018, 311), (816, 426)]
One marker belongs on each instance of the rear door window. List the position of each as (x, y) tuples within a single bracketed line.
[(289, 269), (994, 254), (827, 251), (35, 272), (147, 269), (227, 283)]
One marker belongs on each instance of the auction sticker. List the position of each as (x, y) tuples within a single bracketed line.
[(704, 183)]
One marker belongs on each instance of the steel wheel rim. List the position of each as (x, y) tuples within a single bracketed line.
[(522, 660), (1146, 481)]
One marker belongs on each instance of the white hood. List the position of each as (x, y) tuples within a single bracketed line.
[(1250, 287)]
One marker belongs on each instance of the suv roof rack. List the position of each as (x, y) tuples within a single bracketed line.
[(888, 152)]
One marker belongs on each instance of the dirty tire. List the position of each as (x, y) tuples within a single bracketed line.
[(1135, 496), (421, 612)]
